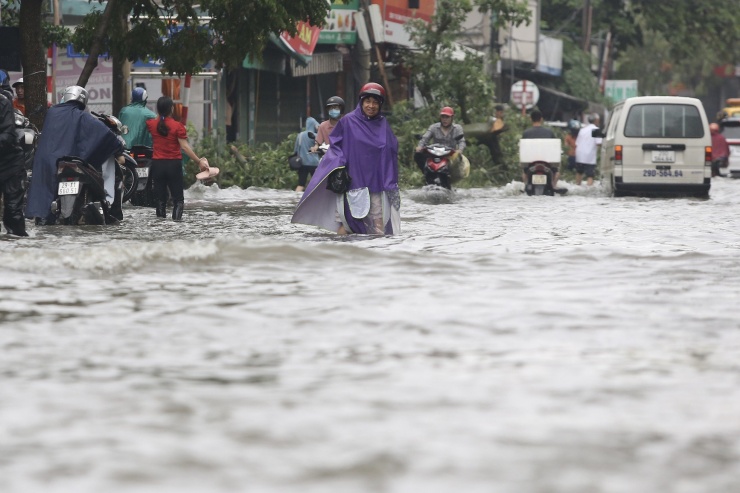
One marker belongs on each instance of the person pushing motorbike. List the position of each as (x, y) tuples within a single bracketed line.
[(444, 132), (69, 130)]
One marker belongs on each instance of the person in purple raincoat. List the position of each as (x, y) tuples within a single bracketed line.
[(364, 144)]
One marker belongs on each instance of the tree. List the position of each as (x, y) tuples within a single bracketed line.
[(177, 32), (36, 35), (447, 73)]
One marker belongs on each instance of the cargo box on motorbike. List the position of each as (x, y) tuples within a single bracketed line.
[(545, 150)]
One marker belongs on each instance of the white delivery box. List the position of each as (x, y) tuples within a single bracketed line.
[(546, 150)]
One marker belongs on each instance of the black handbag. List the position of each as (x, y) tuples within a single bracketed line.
[(338, 180), (294, 161)]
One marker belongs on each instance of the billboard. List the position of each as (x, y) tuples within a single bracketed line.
[(340, 27)]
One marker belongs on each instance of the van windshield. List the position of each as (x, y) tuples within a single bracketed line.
[(670, 121)]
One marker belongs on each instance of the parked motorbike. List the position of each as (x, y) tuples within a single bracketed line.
[(144, 194)]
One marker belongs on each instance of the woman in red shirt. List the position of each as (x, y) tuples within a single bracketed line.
[(168, 137)]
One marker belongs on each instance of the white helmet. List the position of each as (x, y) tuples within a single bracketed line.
[(75, 93)]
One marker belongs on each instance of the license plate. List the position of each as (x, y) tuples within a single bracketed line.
[(662, 173), (142, 172), (539, 179), (69, 187), (664, 156)]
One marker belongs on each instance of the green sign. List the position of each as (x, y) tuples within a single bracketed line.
[(339, 26)]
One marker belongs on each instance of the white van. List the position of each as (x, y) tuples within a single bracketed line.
[(657, 145)]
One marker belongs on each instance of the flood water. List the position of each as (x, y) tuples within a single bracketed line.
[(502, 343)]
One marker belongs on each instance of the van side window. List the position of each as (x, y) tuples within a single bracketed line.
[(672, 121)]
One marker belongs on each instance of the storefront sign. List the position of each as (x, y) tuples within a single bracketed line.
[(619, 90), (304, 42), (340, 26)]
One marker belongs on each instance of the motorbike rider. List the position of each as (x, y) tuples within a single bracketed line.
[(134, 116), (537, 131), (19, 102), (335, 110), (69, 130), (444, 132), (720, 149), (12, 171)]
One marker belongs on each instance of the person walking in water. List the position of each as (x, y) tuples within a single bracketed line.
[(169, 140), (304, 148)]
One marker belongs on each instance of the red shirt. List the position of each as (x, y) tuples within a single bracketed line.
[(166, 147)]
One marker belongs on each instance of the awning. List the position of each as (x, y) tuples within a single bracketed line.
[(273, 63), (562, 95)]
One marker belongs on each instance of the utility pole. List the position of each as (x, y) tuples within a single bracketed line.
[(586, 25)]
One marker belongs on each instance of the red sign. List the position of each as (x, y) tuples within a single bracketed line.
[(304, 42)]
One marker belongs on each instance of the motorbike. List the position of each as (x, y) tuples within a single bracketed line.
[(537, 157), (539, 179), (81, 197), (437, 169), (144, 194), (28, 137)]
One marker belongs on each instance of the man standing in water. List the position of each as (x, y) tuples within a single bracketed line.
[(586, 146)]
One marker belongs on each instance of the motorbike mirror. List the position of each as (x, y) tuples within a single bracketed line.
[(597, 132), (124, 129), (312, 135), (418, 136), (459, 137)]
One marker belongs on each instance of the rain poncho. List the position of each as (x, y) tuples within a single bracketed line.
[(369, 149), (134, 116), (303, 144), (68, 131)]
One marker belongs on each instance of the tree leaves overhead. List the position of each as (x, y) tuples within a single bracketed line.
[(442, 73), (186, 35)]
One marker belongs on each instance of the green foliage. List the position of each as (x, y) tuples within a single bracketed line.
[(51, 34), (578, 79), (236, 29), (267, 164), (444, 73)]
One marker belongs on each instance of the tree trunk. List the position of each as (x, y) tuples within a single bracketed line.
[(34, 61), (121, 74), (97, 46)]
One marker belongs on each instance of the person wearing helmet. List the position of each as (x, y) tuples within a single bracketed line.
[(134, 116), (570, 143), (720, 149), (586, 147), (70, 130), (19, 102), (334, 108), (355, 187), (305, 149), (12, 172), (444, 132)]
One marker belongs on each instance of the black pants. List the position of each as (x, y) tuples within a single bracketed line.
[(12, 191), (167, 173), (420, 158), (303, 173)]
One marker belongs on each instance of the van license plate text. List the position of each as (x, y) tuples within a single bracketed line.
[(539, 179), (69, 187), (142, 172), (664, 156), (664, 173)]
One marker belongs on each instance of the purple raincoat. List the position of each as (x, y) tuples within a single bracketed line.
[(369, 149)]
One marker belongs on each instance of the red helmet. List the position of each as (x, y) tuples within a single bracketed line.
[(447, 111), (373, 89)]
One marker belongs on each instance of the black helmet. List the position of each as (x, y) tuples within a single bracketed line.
[(335, 100)]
